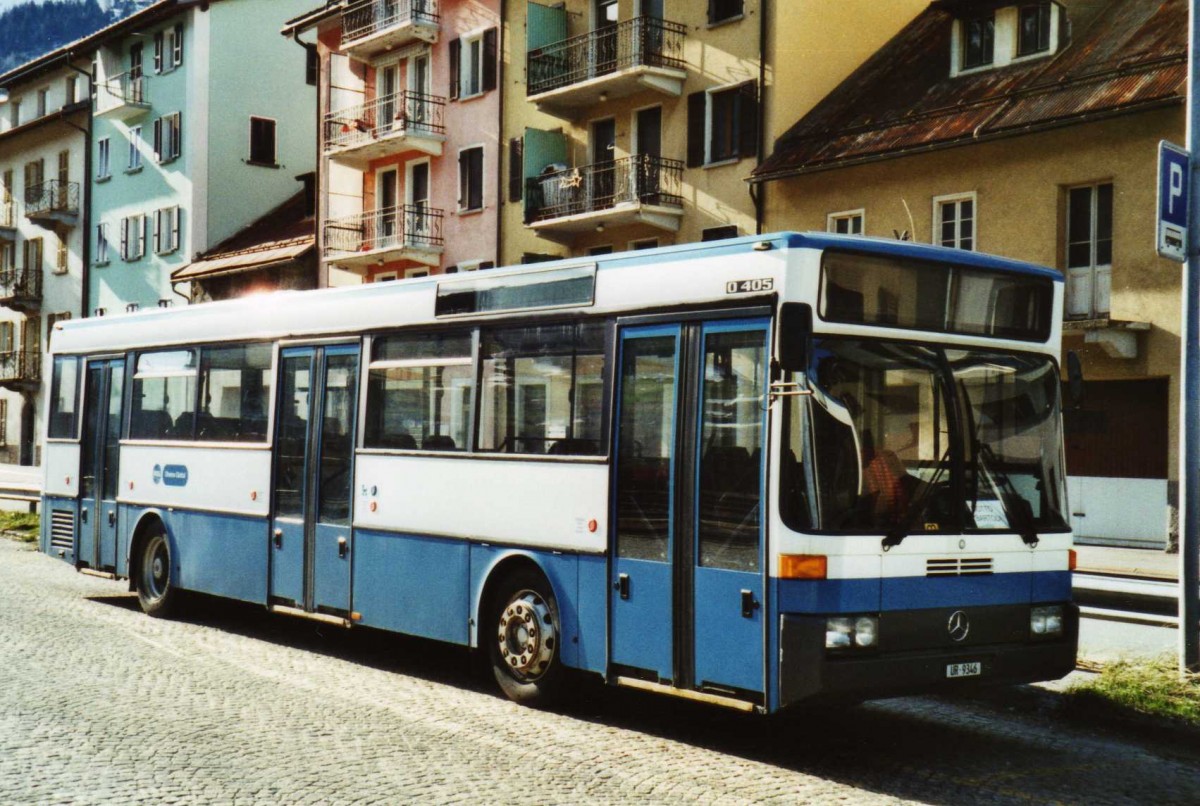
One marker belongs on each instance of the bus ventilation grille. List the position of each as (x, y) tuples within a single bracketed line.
[(955, 567), (62, 529)]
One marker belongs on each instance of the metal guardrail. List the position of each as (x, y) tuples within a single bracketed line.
[(388, 228), (590, 188), (396, 114), (18, 366), (51, 196), (371, 17), (20, 284), (641, 41)]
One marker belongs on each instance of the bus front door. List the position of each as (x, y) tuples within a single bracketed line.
[(100, 453), (311, 538), (688, 560)]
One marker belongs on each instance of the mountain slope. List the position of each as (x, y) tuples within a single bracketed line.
[(30, 29)]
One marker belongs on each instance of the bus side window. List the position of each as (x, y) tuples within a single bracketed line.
[(420, 392)]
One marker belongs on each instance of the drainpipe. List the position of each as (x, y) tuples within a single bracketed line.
[(86, 251), (501, 143), (758, 191), (318, 177)]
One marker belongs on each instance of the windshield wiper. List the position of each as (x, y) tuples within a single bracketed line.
[(916, 507), (1021, 512)]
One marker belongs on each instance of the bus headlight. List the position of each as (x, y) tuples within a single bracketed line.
[(1046, 621), (844, 632)]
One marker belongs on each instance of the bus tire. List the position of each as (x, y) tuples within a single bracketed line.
[(156, 590), (523, 643)]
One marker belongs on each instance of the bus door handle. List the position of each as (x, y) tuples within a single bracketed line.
[(622, 585), (343, 547), (112, 517), (83, 515), (278, 538), (749, 604)]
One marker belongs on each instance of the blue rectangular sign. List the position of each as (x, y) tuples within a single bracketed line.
[(1174, 181)]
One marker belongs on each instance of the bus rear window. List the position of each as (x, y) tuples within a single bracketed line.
[(64, 398), (892, 292)]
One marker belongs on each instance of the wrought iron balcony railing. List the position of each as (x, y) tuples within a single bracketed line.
[(51, 196), (374, 16), (640, 42), (399, 114), (124, 88), (20, 286), (638, 179), (20, 366), (407, 226)]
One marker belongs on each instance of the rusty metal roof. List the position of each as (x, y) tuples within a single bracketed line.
[(903, 100)]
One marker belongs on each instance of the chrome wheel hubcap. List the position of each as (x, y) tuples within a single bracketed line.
[(527, 635)]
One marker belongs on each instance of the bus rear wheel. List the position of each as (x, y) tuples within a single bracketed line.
[(156, 590), (524, 642)]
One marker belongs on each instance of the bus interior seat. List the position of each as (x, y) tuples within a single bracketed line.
[(438, 442), (729, 468), (154, 424), (401, 441), (571, 447)]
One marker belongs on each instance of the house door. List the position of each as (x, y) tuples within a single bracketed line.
[(420, 111), (649, 148), (99, 470), (311, 538), (688, 555), (604, 143), (390, 114), (386, 208), (418, 198)]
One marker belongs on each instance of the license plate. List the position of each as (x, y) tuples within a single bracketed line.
[(973, 669)]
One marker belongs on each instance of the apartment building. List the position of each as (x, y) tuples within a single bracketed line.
[(409, 136), (203, 121), (1029, 129), (43, 150)]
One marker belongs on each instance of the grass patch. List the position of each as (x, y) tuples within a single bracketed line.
[(22, 526), (1152, 688)]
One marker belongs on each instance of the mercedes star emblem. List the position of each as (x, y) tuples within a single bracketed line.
[(958, 626)]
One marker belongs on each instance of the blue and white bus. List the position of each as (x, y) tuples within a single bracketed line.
[(754, 472)]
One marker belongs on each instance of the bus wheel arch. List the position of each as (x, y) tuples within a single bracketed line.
[(152, 563), (520, 631)]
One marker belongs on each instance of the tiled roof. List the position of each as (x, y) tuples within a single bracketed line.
[(903, 99), (285, 234)]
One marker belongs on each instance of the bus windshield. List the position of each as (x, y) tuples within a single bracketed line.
[(903, 438)]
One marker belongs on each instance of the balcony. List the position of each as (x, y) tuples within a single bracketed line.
[(53, 202), (631, 190), (374, 26), (8, 220), (125, 96), (404, 121), (611, 62), (21, 289), (20, 369), (410, 232)]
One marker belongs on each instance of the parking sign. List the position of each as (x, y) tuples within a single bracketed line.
[(1174, 179)]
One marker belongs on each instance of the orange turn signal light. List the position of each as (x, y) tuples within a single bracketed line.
[(1072, 558), (803, 566)]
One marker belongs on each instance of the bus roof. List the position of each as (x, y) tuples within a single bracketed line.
[(334, 311)]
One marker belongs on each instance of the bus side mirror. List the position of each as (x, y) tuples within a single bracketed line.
[(1074, 380), (795, 336)]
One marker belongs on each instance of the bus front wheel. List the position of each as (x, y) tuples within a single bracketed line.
[(524, 641), (156, 590)]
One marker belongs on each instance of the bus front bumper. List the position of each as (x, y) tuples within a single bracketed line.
[(810, 672)]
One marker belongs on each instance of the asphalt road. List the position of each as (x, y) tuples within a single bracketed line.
[(100, 704)]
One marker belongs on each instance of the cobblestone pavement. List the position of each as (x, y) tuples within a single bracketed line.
[(101, 704)]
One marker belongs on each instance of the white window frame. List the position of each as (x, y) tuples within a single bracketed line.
[(482, 179), (43, 102), (166, 230), (956, 198), (468, 69), (1004, 39), (170, 136), (708, 126), (133, 237), (134, 163), (845, 215), (1095, 273), (103, 159)]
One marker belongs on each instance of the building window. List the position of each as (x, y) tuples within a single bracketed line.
[(103, 158), (473, 64), (596, 251), (166, 230), (719, 233), (133, 237), (102, 244), (41, 102), (135, 149), (168, 137), (645, 243), (1033, 29), (177, 45), (33, 254), (847, 222), (721, 10), (722, 124), (979, 41), (69, 91), (60, 256), (954, 221), (14, 113), (1089, 250), (262, 141), (470, 179), (35, 175)]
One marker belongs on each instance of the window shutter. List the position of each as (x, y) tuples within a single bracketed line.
[(516, 168), (697, 105), (124, 239), (464, 172), (144, 225), (747, 120), (159, 231), (489, 59), (455, 60), (158, 52), (158, 152), (178, 55), (176, 228)]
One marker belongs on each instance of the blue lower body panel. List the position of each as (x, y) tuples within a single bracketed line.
[(63, 544)]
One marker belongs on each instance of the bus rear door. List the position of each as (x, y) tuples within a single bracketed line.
[(99, 459), (311, 539), (687, 561)]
